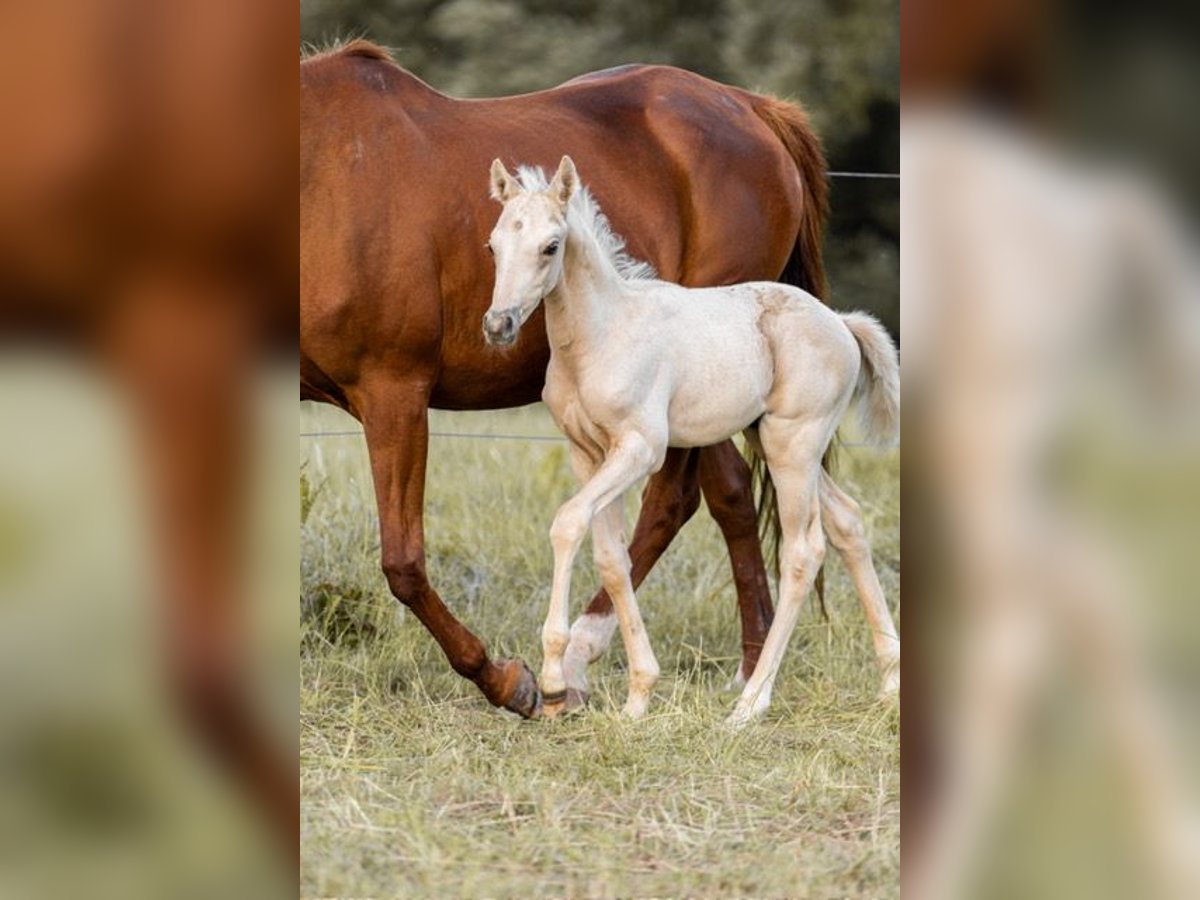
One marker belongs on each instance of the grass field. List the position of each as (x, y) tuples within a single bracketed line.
[(413, 786)]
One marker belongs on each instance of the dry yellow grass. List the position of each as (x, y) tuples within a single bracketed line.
[(413, 786)]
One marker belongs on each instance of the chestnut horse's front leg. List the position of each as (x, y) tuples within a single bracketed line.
[(394, 416), (725, 481), (183, 349)]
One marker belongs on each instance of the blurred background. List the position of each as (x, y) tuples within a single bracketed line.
[(148, 553), (1051, 307), (839, 59)]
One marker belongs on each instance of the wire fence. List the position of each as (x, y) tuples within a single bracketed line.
[(533, 438)]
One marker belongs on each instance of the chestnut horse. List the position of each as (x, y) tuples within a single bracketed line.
[(711, 184)]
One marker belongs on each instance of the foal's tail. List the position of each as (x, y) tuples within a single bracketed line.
[(878, 389)]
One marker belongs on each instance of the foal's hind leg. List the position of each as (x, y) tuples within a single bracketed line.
[(844, 527), (794, 455)]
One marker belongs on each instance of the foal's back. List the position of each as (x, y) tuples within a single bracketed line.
[(725, 356)]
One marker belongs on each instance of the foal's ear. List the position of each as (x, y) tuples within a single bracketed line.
[(566, 179), (504, 186)]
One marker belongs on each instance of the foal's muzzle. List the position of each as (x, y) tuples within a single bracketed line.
[(500, 327)]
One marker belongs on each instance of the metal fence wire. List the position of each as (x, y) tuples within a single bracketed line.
[(534, 438)]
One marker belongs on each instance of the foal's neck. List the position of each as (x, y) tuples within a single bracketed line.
[(582, 307)]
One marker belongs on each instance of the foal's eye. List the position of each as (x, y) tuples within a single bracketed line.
[(551, 248), (488, 247)]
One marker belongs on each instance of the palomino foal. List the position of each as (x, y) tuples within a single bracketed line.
[(638, 365)]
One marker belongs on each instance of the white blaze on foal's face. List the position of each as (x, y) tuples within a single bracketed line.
[(527, 245)]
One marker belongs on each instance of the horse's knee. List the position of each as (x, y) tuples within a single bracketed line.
[(639, 453), (730, 491), (842, 520), (612, 562), (569, 527), (405, 574), (803, 558), (554, 640)]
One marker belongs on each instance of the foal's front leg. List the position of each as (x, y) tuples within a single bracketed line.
[(555, 630), (612, 561), (671, 496), (630, 459)]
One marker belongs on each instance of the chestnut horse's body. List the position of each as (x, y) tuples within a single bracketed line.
[(711, 184)]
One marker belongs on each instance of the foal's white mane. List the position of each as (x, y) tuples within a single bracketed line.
[(630, 268)]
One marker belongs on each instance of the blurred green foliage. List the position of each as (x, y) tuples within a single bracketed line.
[(840, 58)]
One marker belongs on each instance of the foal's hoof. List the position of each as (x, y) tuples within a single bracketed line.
[(635, 706), (737, 682), (563, 702), (890, 689), (524, 698), (747, 710), (740, 718)]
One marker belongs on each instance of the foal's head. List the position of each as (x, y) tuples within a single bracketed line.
[(527, 244)]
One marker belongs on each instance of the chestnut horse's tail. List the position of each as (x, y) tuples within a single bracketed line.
[(805, 269)]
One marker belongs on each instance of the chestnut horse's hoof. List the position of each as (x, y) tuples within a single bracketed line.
[(524, 697)]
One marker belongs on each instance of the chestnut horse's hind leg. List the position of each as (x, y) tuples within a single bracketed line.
[(671, 497), (395, 422), (725, 480)]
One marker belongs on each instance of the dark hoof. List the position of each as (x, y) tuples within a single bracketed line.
[(524, 698), (562, 702)]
